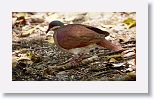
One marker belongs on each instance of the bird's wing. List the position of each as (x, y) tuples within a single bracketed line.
[(83, 33), (97, 30)]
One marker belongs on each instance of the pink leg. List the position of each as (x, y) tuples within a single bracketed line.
[(77, 59)]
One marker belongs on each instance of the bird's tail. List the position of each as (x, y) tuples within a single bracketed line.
[(107, 44)]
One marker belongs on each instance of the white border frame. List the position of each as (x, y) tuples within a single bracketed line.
[(138, 86)]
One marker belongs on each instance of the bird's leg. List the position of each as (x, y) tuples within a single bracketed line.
[(77, 59)]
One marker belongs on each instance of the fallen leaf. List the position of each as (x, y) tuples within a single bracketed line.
[(130, 22), (34, 57), (112, 60)]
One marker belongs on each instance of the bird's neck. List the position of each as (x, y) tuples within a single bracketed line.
[(55, 28)]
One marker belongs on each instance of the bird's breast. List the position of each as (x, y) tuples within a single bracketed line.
[(84, 49)]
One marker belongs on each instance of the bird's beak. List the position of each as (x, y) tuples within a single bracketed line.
[(53, 28), (47, 30)]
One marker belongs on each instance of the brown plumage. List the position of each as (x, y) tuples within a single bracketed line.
[(78, 38)]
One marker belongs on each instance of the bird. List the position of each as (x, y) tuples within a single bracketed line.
[(78, 39)]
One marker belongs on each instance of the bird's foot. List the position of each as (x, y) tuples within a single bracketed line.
[(77, 59), (75, 62)]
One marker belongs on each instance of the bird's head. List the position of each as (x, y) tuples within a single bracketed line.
[(54, 25)]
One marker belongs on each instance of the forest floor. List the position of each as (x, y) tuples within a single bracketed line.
[(35, 57)]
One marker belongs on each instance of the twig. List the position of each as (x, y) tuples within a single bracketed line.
[(52, 70)]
